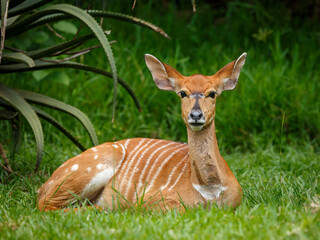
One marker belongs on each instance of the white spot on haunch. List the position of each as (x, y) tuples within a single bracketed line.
[(99, 166), (94, 149), (97, 182), (50, 182), (75, 167), (209, 192), (89, 169), (96, 156), (66, 170), (115, 146)]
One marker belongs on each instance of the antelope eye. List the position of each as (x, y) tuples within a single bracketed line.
[(183, 94), (212, 94)]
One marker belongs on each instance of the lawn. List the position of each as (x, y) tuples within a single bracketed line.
[(267, 128)]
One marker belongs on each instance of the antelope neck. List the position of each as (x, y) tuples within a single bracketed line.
[(207, 166)]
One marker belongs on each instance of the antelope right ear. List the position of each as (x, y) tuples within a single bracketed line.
[(164, 76), (229, 74)]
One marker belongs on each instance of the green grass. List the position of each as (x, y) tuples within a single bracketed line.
[(279, 196), (275, 160)]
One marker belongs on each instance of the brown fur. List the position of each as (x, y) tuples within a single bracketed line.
[(161, 172)]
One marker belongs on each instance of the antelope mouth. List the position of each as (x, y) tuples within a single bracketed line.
[(196, 126)]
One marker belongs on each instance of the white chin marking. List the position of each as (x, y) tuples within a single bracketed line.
[(196, 128)]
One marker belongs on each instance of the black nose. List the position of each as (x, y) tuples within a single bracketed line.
[(196, 115)]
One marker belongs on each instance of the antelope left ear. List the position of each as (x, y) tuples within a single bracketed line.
[(164, 76), (229, 74)]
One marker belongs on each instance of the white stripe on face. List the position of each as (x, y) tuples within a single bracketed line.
[(197, 95)]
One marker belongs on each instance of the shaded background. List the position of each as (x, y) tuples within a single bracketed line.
[(276, 100)]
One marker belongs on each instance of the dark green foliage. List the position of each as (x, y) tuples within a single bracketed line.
[(24, 16)]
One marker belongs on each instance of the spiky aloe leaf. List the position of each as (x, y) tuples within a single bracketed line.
[(42, 114), (16, 128), (43, 65), (26, 25), (26, 6), (4, 14), (98, 31), (45, 52), (128, 18), (7, 114), (16, 3), (56, 104), (18, 102), (88, 20), (17, 57)]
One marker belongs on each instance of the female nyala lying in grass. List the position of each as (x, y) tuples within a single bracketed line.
[(156, 171)]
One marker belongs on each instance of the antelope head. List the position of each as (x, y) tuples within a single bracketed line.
[(198, 93)]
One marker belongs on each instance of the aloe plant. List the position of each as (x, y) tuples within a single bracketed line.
[(17, 17)]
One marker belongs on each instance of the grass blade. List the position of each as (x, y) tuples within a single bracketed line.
[(18, 102), (56, 104)]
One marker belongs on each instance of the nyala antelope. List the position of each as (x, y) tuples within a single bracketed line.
[(158, 171)]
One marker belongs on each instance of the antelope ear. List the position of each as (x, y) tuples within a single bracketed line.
[(164, 76), (229, 74)]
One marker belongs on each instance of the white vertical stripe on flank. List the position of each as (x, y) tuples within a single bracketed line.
[(126, 143), (123, 155), (148, 161), (179, 176), (138, 161), (132, 161), (173, 172), (161, 166), (128, 160)]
